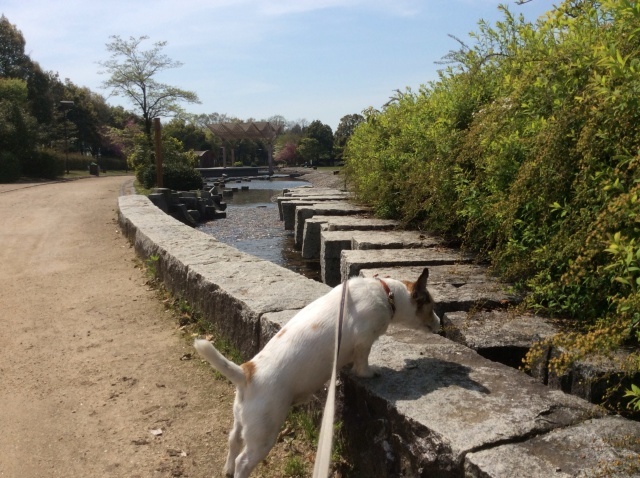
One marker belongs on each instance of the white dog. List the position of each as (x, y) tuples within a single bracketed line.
[(298, 360)]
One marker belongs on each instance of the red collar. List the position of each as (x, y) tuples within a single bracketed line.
[(387, 291)]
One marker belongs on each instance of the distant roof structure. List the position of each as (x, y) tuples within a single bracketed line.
[(255, 130)]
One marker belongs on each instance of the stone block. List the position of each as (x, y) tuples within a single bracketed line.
[(394, 240), (314, 225), (499, 335), (311, 199), (302, 213), (288, 215), (332, 243), (352, 262), (435, 401), (454, 274), (160, 201), (599, 447), (311, 236)]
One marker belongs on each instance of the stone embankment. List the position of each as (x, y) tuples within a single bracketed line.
[(438, 408)]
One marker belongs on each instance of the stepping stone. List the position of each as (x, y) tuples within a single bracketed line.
[(313, 226), (332, 243), (323, 209), (453, 293), (499, 335), (352, 262)]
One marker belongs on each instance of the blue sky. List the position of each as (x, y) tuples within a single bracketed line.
[(302, 59)]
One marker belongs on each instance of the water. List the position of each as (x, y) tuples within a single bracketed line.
[(253, 225)]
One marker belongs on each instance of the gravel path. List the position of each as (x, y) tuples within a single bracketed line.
[(95, 379)]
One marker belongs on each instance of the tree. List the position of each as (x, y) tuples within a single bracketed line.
[(311, 151), (133, 73), (13, 60), (344, 131), (191, 136), (324, 136), (287, 154)]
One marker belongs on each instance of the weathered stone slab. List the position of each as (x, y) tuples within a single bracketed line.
[(590, 378), (499, 335), (323, 209), (288, 212), (332, 243), (602, 447), (312, 191), (352, 262), (360, 223), (394, 240), (487, 294), (435, 401), (454, 274), (311, 199), (314, 226)]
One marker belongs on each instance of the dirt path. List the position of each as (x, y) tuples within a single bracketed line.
[(90, 361)]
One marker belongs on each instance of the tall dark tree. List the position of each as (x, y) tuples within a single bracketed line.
[(344, 131), (323, 134), (133, 74), (13, 60), (191, 136)]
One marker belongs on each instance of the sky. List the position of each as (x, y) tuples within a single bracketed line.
[(301, 59)]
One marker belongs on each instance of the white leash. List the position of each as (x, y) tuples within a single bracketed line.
[(325, 440)]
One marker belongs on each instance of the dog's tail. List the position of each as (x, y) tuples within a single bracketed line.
[(226, 367)]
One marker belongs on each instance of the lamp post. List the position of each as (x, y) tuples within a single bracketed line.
[(66, 106)]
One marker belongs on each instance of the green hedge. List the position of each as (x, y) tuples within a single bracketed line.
[(10, 169), (176, 176), (525, 150)]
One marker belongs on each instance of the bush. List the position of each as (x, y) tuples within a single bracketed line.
[(9, 167), (526, 150), (179, 177), (79, 162), (42, 164)]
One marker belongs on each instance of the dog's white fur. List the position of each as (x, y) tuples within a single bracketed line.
[(297, 361)]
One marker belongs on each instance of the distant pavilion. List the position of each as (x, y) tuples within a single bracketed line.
[(255, 130)]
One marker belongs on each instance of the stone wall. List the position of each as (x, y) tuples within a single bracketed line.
[(437, 408)]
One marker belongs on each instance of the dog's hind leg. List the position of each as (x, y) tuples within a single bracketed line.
[(235, 440), (260, 432)]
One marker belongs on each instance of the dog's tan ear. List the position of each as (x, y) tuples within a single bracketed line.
[(420, 287)]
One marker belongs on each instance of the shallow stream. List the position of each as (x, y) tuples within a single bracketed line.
[(253, 225)]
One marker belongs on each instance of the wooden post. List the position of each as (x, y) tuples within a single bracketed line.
[(270, 158), (158, 137)]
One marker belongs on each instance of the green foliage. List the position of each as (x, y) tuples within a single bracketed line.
[(634, 394), (344, 131), (9, 167), (177, 166), (176, 176), (526, 150), (42, 164), (133, 74), (295, 467)]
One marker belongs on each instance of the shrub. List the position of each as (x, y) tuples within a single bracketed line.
[(176, 176), (9, 167), (526, 150), (42, 164)]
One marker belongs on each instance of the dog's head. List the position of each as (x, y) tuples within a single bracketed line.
[(423, 303)]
